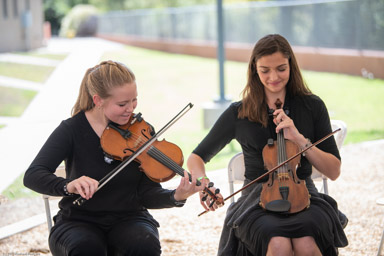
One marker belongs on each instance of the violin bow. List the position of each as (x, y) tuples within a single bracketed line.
[(277, 167), (80, 200)]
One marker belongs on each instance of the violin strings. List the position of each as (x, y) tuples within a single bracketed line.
[(158, 155), (164, 159), (282, 155)]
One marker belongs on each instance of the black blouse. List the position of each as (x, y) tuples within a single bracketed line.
[(310, 117), (130, 192)]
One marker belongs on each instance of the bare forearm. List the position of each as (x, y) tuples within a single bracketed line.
[(196, 165), (326, 163)]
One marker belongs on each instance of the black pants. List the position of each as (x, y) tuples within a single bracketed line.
[(125, 238)]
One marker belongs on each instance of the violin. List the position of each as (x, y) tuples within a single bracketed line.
[(161, 161), (284, 192), (119, 142), (136, 141)]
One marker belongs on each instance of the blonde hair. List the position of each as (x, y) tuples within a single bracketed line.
[(254, 100), (100, 80)]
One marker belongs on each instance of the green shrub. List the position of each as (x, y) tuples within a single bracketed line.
[(80, 21)]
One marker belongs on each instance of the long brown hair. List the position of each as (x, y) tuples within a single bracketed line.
[(100, 80), (254, 100)]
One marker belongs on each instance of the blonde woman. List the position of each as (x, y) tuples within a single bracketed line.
[(115, 220)]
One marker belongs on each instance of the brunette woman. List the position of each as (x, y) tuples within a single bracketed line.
[(273, 74)]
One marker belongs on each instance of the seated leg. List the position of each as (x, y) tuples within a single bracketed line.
[(134, 238), (305, 246), (77, 238), (280, 246)]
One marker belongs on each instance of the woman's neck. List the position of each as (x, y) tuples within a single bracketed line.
[(97, 120)]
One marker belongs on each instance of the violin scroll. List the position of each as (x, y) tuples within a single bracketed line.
[(212, 195)]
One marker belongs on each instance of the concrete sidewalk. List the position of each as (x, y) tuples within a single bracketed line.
[(21, 140)]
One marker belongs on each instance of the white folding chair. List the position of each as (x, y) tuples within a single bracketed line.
[(60, 172), (339, 138), (236, 168)]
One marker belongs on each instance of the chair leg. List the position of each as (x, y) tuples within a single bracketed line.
[(325, 186), (381, 244), (231, 189), (48, 213)]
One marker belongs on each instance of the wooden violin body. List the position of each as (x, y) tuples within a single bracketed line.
[(161, 161), (284, 192), (121, 141)]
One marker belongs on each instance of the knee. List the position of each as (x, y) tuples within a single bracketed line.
[(141, 248), (88, 249), (279, 246), (79, 249), (74, 245), (305, 246), (142, 244)]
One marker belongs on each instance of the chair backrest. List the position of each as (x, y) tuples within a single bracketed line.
[(236, 168), (339, 138)]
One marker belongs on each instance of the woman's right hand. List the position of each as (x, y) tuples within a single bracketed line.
[(84, 186)]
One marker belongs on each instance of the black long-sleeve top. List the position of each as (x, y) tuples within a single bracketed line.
[(309, 114), (74, 141)]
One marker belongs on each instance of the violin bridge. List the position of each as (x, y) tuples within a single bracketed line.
[(284, 191)]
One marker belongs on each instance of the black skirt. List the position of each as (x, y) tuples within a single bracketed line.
[(248, 228)]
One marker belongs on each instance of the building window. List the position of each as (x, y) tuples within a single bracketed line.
[(15, 8), (5, 9)]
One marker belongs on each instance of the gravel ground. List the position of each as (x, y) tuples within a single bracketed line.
[(183, 233)]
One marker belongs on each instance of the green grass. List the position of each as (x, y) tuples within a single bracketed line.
[(167, 82), (43, 55), (355, 100), (17, 190), (25, 71), (13, 101)]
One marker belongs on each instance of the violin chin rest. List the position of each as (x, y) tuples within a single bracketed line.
[(278, 206)]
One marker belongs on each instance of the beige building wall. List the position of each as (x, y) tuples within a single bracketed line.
[(21, 25)]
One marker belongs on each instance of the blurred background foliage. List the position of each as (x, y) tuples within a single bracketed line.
[(351, 24), (55, 11), (81, 20)]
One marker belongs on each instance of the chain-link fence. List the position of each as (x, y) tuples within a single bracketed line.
[(353, 24)]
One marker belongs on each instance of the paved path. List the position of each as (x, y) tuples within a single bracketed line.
[(22, 138), (25, 59), (19, 83)]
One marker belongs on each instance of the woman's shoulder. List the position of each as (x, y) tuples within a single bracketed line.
[(311, 100), (234, 106), (73, 123), (73, 120)]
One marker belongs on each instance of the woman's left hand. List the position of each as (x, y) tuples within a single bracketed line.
[(284, 122), (186, 188)]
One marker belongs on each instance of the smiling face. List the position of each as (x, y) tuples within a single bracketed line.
[(273, 71), (121, 103)]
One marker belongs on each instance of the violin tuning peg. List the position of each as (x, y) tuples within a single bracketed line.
[(210, 184), (204, 198), (217, 191)]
